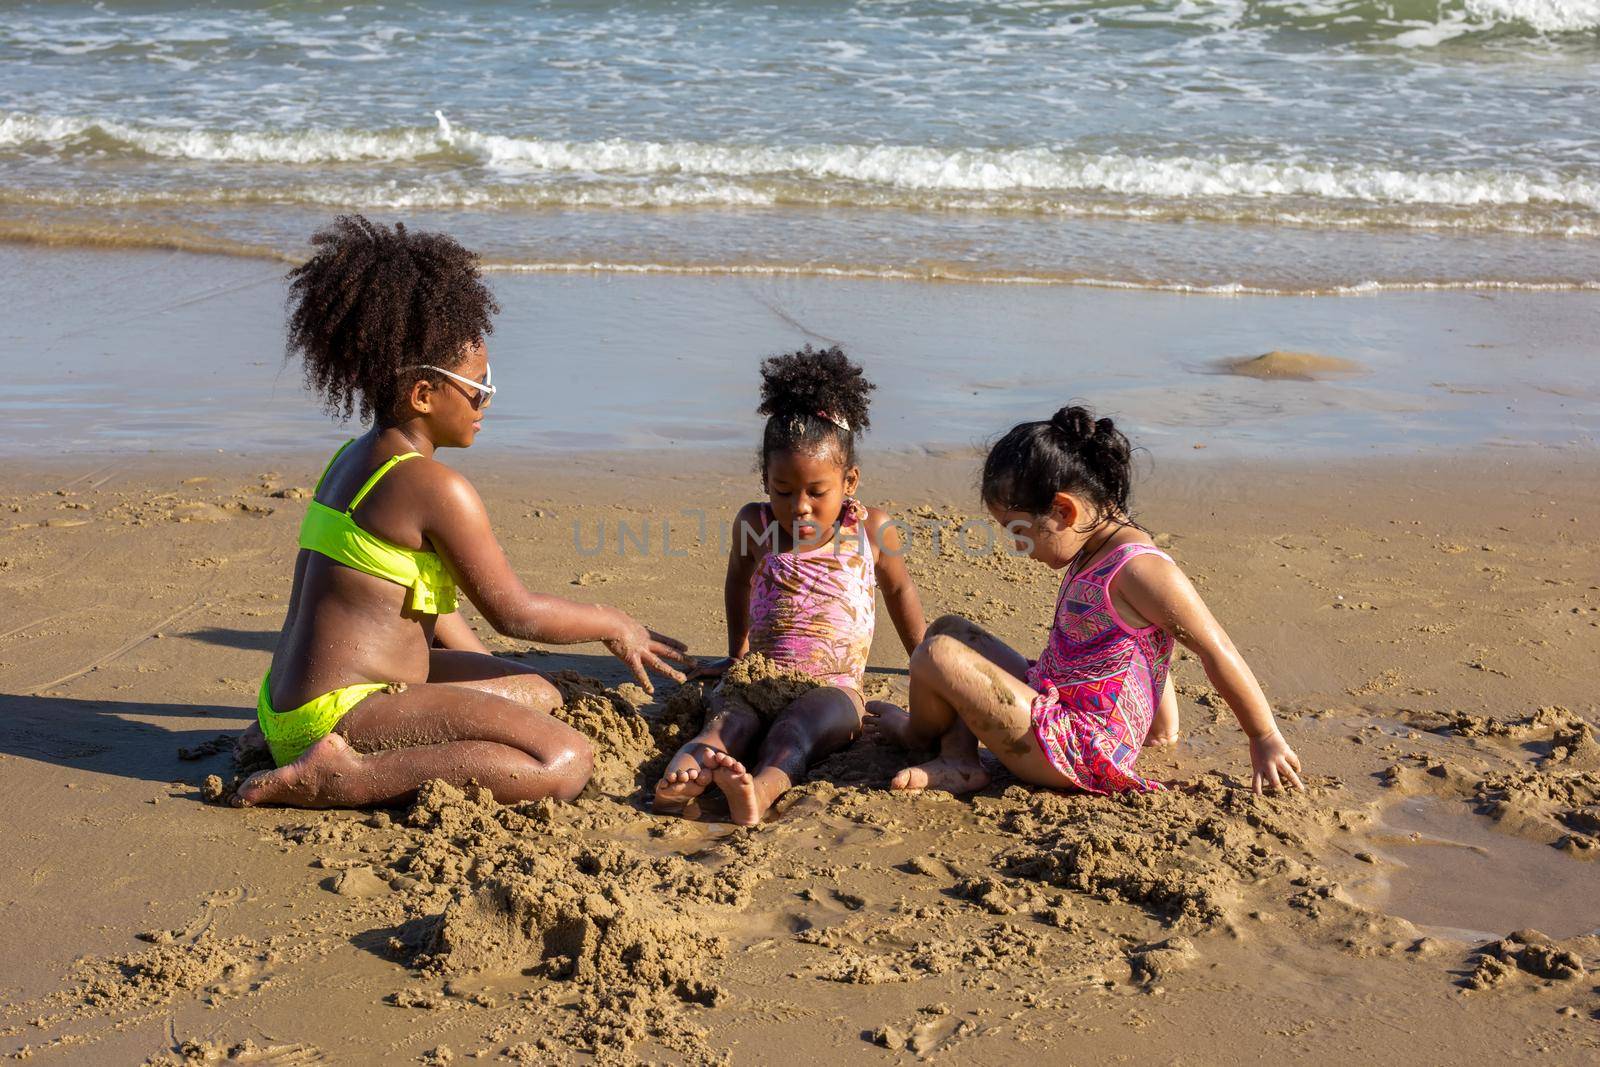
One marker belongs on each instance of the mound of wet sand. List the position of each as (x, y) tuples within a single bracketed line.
[(1285, 366), (1529, 954), (758, 684), (1185, 856), (1556, 800), (525, 897)]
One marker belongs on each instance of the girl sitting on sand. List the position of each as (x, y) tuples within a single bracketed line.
[(358, 707), (802, 570), (1078, 717)]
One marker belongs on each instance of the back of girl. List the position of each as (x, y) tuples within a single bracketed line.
[(1079, 715), (804, 569)]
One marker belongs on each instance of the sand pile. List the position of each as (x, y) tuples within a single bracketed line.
[(527, 892), (758, 684), (1529, 954), (219, 966), (610, 718), (1279, 365), (1554, 800), (1185, 856)]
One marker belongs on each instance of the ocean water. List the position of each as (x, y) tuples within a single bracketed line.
[(1284, 146)]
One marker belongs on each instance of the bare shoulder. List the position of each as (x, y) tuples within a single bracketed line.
[(749, 539), (884, 535), (1148, 570), (435, 487)]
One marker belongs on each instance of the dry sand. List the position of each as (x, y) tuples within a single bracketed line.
[(1427, 632)]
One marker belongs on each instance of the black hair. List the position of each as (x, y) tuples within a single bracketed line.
[(1071, 452), (805, 396), (374, 302)]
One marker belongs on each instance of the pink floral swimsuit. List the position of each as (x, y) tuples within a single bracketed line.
[(1099, 681), (814, 610)]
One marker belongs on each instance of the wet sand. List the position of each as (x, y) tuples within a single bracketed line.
[(1426, 630), (139, 351)]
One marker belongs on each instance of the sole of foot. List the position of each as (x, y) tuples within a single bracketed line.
[(303, 783), (686, 777), (945, 776), (738, 785)]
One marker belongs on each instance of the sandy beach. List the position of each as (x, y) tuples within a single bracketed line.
[(1334, 269), (1424, 627)]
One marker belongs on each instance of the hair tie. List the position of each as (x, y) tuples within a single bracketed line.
[(837, 420)]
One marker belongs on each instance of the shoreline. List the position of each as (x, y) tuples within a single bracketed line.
[(116, 352)]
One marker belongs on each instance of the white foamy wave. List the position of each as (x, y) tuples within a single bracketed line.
[(1545, 16), (1479, 16), (837, 172), (230, 146)]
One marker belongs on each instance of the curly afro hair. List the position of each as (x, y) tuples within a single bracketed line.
[(372, 303), (806, 395)]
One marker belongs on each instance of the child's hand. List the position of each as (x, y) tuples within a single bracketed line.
[(713, 669), (641, 648), (1274, 762)]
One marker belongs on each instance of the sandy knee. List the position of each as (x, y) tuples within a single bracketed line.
[(538, 693), (938, 654), (953, 626), (570, 767)]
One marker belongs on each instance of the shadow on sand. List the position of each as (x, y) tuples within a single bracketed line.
[(119, 737)]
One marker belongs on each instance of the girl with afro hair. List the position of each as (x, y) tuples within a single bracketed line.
[(376, 685), (804, 568)]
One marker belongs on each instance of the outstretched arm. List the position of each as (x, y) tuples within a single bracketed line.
[(457, 524), (1158, 592), (899, 591)]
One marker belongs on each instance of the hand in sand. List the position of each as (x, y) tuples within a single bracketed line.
[(1274, 763), (640, 648)]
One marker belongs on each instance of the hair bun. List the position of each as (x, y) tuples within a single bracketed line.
[(1076, 422)]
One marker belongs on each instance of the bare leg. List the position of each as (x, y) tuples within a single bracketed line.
[(821, 721), (953, 683), (491, 674), (392, 742), (729, 729), (955, 767), (1164, 726)]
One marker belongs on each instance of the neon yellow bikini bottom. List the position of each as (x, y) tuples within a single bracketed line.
[(289, 733)]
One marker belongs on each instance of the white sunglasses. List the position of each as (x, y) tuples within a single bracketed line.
[(485, 391)]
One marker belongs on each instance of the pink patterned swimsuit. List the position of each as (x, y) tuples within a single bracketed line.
[(814, 610), (1099, 681)]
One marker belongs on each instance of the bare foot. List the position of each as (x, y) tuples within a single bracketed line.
[(686, 777), (889, 721), (739, 786), (303, 783), (944, 774)]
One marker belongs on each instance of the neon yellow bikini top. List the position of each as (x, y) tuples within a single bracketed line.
[(335, 534)]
